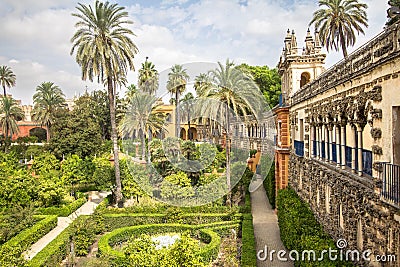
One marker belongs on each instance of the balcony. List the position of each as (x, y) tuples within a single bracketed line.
[(390, 176)]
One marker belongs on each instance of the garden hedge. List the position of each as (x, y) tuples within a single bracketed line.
[(208, 252), (22, 241), (248, 258), (115, 221), (63, 211), (300, 230)]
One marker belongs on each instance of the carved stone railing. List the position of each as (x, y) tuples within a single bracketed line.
[(383, 47)]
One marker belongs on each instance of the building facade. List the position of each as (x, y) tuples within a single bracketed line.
[(339, 129)]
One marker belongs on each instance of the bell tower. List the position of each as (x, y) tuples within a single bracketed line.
[(297, 68)]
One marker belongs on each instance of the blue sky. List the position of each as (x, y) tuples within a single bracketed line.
[(35, 40)]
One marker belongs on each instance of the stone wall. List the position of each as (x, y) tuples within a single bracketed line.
[(347, 207)]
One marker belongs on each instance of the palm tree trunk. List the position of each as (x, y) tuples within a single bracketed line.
[(143, 139), (188, 114), (228, 164), (48, 133), (148, 145), (114, 138), (178, 114), (4, 90)]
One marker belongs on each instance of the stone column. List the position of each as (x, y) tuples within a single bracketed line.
[(359, 150), (354, 150), (338, 158), (330, 129), (327, 143), (311, 142), (343, 145)]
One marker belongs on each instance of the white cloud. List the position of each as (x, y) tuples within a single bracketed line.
[(36, 35)]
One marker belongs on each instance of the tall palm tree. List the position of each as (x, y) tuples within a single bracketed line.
[(141, 117), (148, 78), (7, 78), (201, 82), (187, 106), (176, 84), (229, 88), (47, 100), (338, 21), (104, 49), (10, 113)]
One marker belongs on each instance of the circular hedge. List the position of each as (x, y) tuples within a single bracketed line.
[(207, 252)]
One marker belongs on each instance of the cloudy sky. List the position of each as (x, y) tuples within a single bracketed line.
[(35, 35)]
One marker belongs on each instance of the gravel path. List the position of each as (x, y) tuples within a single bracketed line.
[(266, 229)]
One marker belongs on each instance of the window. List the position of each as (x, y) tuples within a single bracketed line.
[(305, 78)]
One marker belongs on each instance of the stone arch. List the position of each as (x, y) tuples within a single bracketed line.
[(183, 134), (39, 132), (304, 78), (192, 132)]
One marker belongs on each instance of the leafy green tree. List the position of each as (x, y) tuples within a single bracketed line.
[(129, 176), (47, 99), (394, 8), (103, 173), (231, 89), (268, 80), (104, 49), (338, 21), (176, 186), (45, 163), (7, 78), (10, 113), (76, 132), (148, 78), (73, 172), (176, 84), (19, 188), (95, 105)]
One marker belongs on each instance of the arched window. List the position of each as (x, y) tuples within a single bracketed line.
[(305, 78)]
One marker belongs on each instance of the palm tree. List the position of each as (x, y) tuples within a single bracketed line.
[(177, 80), (47, 100), (393, 12), (148, 78), (142, 117), (7, 78), (337, 22), (229, 88), (186, 106), (104, 49), (201, 82), (10, 113)]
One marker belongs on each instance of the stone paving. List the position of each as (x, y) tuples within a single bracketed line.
[(63, 222), (266, 229)]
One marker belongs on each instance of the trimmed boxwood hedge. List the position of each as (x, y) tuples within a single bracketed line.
[(62, 211), (22, 241), (208, 252), (269, 185), (115, 221), (300, 230), (248, 258), (54, 252)]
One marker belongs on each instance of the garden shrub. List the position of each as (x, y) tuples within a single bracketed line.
[(207, 252), (269, 185), (248, 258), (62, 211), (300, 230), (83, 233), (21, 242)]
